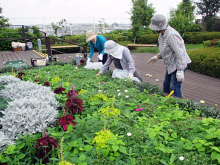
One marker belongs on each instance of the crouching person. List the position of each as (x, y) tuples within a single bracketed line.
[(122, 59)]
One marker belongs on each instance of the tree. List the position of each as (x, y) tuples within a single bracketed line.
[(3, 20), (182, 18), (141, 14), (102, 25), (187, 7), (208, 9), (61, 26)]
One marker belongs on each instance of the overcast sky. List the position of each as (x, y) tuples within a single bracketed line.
[(75, 11)]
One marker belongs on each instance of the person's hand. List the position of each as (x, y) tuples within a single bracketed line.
[(100, 57), (98, 74), (88, 61), (152, 60), (130, 76), (179, 76)]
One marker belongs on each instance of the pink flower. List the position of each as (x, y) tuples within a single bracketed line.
[(149, 108), (104, 82), (152, 94), (185, 128), (153, 105), (141, 109), (137, 109), (79, 71), (196, 119), (138, 105), (145, 104), (202, 118)]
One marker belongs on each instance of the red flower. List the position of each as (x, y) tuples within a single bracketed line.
[(74, 105), (44, 146)]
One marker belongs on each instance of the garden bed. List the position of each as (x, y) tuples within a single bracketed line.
[(113, 122)]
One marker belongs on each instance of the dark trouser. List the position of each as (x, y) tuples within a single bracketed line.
[(105, 57), (170, 83), (118, 66)]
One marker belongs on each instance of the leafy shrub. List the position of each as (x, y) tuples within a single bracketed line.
[(148, 39), (206, 44), (199, 37), (205, 61)]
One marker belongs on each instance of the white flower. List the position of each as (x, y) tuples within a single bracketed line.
[(76, 68), (147, 74), (202, 102), (119, 94), (181, 158), (126, 90), (100, 90), (129, 134), (157, 80), (150, 75), (118, 90), (127, 96)]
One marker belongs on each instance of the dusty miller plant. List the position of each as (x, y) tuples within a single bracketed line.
[(33, 108)]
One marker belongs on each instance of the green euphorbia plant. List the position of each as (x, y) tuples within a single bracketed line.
[(66, 120), (44, 146)]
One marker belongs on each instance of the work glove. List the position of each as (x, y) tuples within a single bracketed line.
[(152, 60), (179, 76), (88, 61), (100, 57), (130, 76)]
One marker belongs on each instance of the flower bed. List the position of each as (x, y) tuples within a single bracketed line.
[(112, 121)]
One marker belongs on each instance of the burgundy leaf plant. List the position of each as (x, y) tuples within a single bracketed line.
[(44, 146), (20, 74), (47, 83), (66, 120), (60, 89)]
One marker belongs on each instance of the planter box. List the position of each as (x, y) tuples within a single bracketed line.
[(15, 64), (41, 61), (16, 49)]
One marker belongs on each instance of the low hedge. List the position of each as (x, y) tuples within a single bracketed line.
[(199, 37), (148, 39), (205, 61)]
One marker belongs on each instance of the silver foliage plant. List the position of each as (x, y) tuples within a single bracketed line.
[(33, 107)]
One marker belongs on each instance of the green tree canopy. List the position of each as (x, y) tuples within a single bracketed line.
[(3, 20), (141, 14), (187, 8)]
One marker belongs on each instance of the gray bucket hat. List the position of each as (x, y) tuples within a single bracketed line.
[(158, 22), (111, 47)]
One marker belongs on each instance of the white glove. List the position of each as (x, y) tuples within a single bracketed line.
[(100, 57), (152, 60), (88, 61), (179, 75), (130, 75)]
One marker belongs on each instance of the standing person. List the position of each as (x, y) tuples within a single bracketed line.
[(173, 52), (122, 59), (96, 41)]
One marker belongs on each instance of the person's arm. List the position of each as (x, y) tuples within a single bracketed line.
[(91, 49), (129, 59), (106, 65)]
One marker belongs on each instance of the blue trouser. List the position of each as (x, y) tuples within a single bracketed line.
[(170, 83)]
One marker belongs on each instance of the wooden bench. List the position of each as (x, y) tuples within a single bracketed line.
[(143, 45), (66, 46)]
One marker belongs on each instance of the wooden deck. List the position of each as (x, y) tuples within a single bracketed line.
[(195, 86)]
